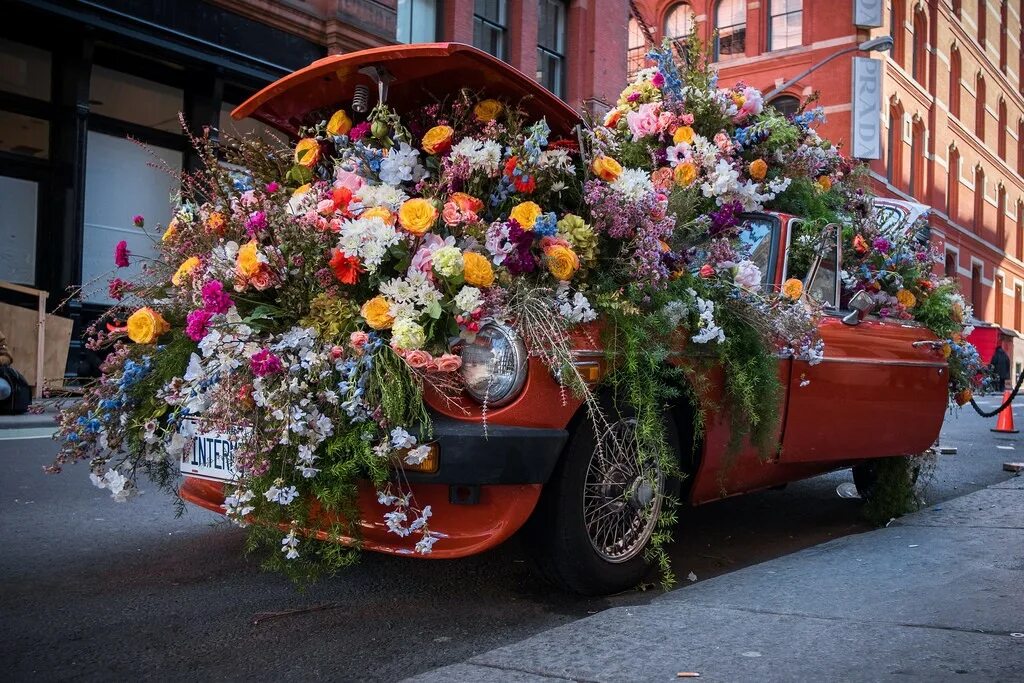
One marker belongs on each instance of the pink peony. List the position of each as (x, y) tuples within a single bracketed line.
[(644, 122), (121, 254)]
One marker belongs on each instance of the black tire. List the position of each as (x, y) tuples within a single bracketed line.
[(865, 477), (558, 533)]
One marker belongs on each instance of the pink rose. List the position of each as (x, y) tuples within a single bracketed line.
[(449, 362), (337, 352), (262, 280), (546, 242), (451, 214), (358, 340), (644, 122), (418, 359), (707, 270), (344, 178)]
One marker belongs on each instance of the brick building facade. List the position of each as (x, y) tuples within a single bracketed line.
[(952, 118), (78, 78)]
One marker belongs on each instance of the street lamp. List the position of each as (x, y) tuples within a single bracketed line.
[(880, 44)]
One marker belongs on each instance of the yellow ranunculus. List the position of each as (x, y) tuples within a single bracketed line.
[(248, 262), (377, 313), (758, 169), (792, 288), (340, 123), (307, 152), (525, 213), (171, 232), (438, 139), (907, 298), (606, 168), (146, 325), (417, 215), (685, 173), (381, 212), (487, 110), (477, 270), (562, 262), (683, 134), (186, 267)]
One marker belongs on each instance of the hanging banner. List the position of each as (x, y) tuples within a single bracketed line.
[(867, 108), (867, 13)]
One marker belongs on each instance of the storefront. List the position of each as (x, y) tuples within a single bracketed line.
[(90, 96)]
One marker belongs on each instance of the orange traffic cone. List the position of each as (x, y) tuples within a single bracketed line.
[(1005, 422)]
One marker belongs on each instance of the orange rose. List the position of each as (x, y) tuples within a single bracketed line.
[(612, 117), (662, 178), (340, 123), (487, 110), (377, 313), (307, 152), (381, 212), (792, 288), (186, 267), (606, 168), (417, 216), (685, 173), (758, 169), (562, 262), (683, 134), (477, 270), (526, 214), (146, 325), (467, 202), (438, 140), (825, 183)]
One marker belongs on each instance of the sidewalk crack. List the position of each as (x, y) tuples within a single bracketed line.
[(534, 672)]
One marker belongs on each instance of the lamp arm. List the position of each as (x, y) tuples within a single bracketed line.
[(803, 74)]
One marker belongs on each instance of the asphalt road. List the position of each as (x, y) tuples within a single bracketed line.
[(94, 590)]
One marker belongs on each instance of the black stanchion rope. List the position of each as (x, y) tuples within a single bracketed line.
[(1007, 402)]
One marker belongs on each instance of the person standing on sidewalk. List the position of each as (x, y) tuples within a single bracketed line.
[(1001, 366)]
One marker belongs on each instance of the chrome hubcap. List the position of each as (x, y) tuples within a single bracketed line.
[(621, 496)]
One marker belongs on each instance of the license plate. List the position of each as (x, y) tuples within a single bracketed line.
[(212, 457)]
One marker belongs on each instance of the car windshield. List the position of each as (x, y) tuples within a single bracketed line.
[(756, 240)]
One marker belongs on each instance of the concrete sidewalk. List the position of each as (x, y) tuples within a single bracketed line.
[(935, 596)]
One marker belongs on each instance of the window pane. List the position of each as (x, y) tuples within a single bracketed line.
[(24, 70), (492, 10), (786, 27), (417, 21), (119, 184), (550, 68), (136, 100), (24, 135), (239, 129), (732, 42), (19, 199), (678, 22), (489, 39), (730, 20), (756, 243), (551, 25), (786, 105)]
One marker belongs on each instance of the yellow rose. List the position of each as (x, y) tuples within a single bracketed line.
[(525, 214), (825, 183), (606, 168), (685, 173), (340, 123), (438, 139), (792, 288), (381, 212), (562, 262), (487, 110), (683, 134), (758, 169), (146, 325), (248, 262), (171, 232), (186, 267), (307, 152), (301, 190), (377, 313), (906, 298), (417, 216), (477, 270)]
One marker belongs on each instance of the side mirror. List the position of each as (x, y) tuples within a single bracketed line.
[(861, 304)]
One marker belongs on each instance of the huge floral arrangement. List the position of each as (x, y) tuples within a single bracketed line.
[(307, 298)]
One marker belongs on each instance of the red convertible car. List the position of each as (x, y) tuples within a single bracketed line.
[(591, 513)]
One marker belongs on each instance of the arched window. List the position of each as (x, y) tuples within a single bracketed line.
[(917, 151), (1004, 29), (950, 267), (785, 24), (1001, 130), (1020, 231), (786, 105), (730, 29), (953, 184), (636, 50), (919, 58), (897, 14), (979, 107), (982, 21), (954, 82), (894, 163), (1001, 218), (997, 285), (678, 22), (979, 200), (977, 273)]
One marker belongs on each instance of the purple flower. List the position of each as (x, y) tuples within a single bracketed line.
[(138, 221), (265, 363), (881, 245), (121, 254), (521, 259), (272, 187), (725, 218), (215, 299), (256, 222), (198, 324)]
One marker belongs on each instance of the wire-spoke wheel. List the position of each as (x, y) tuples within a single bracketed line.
[(622, 495), (598, 512)]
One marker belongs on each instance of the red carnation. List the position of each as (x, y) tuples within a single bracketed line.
[(346, 268), (121, 254)]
